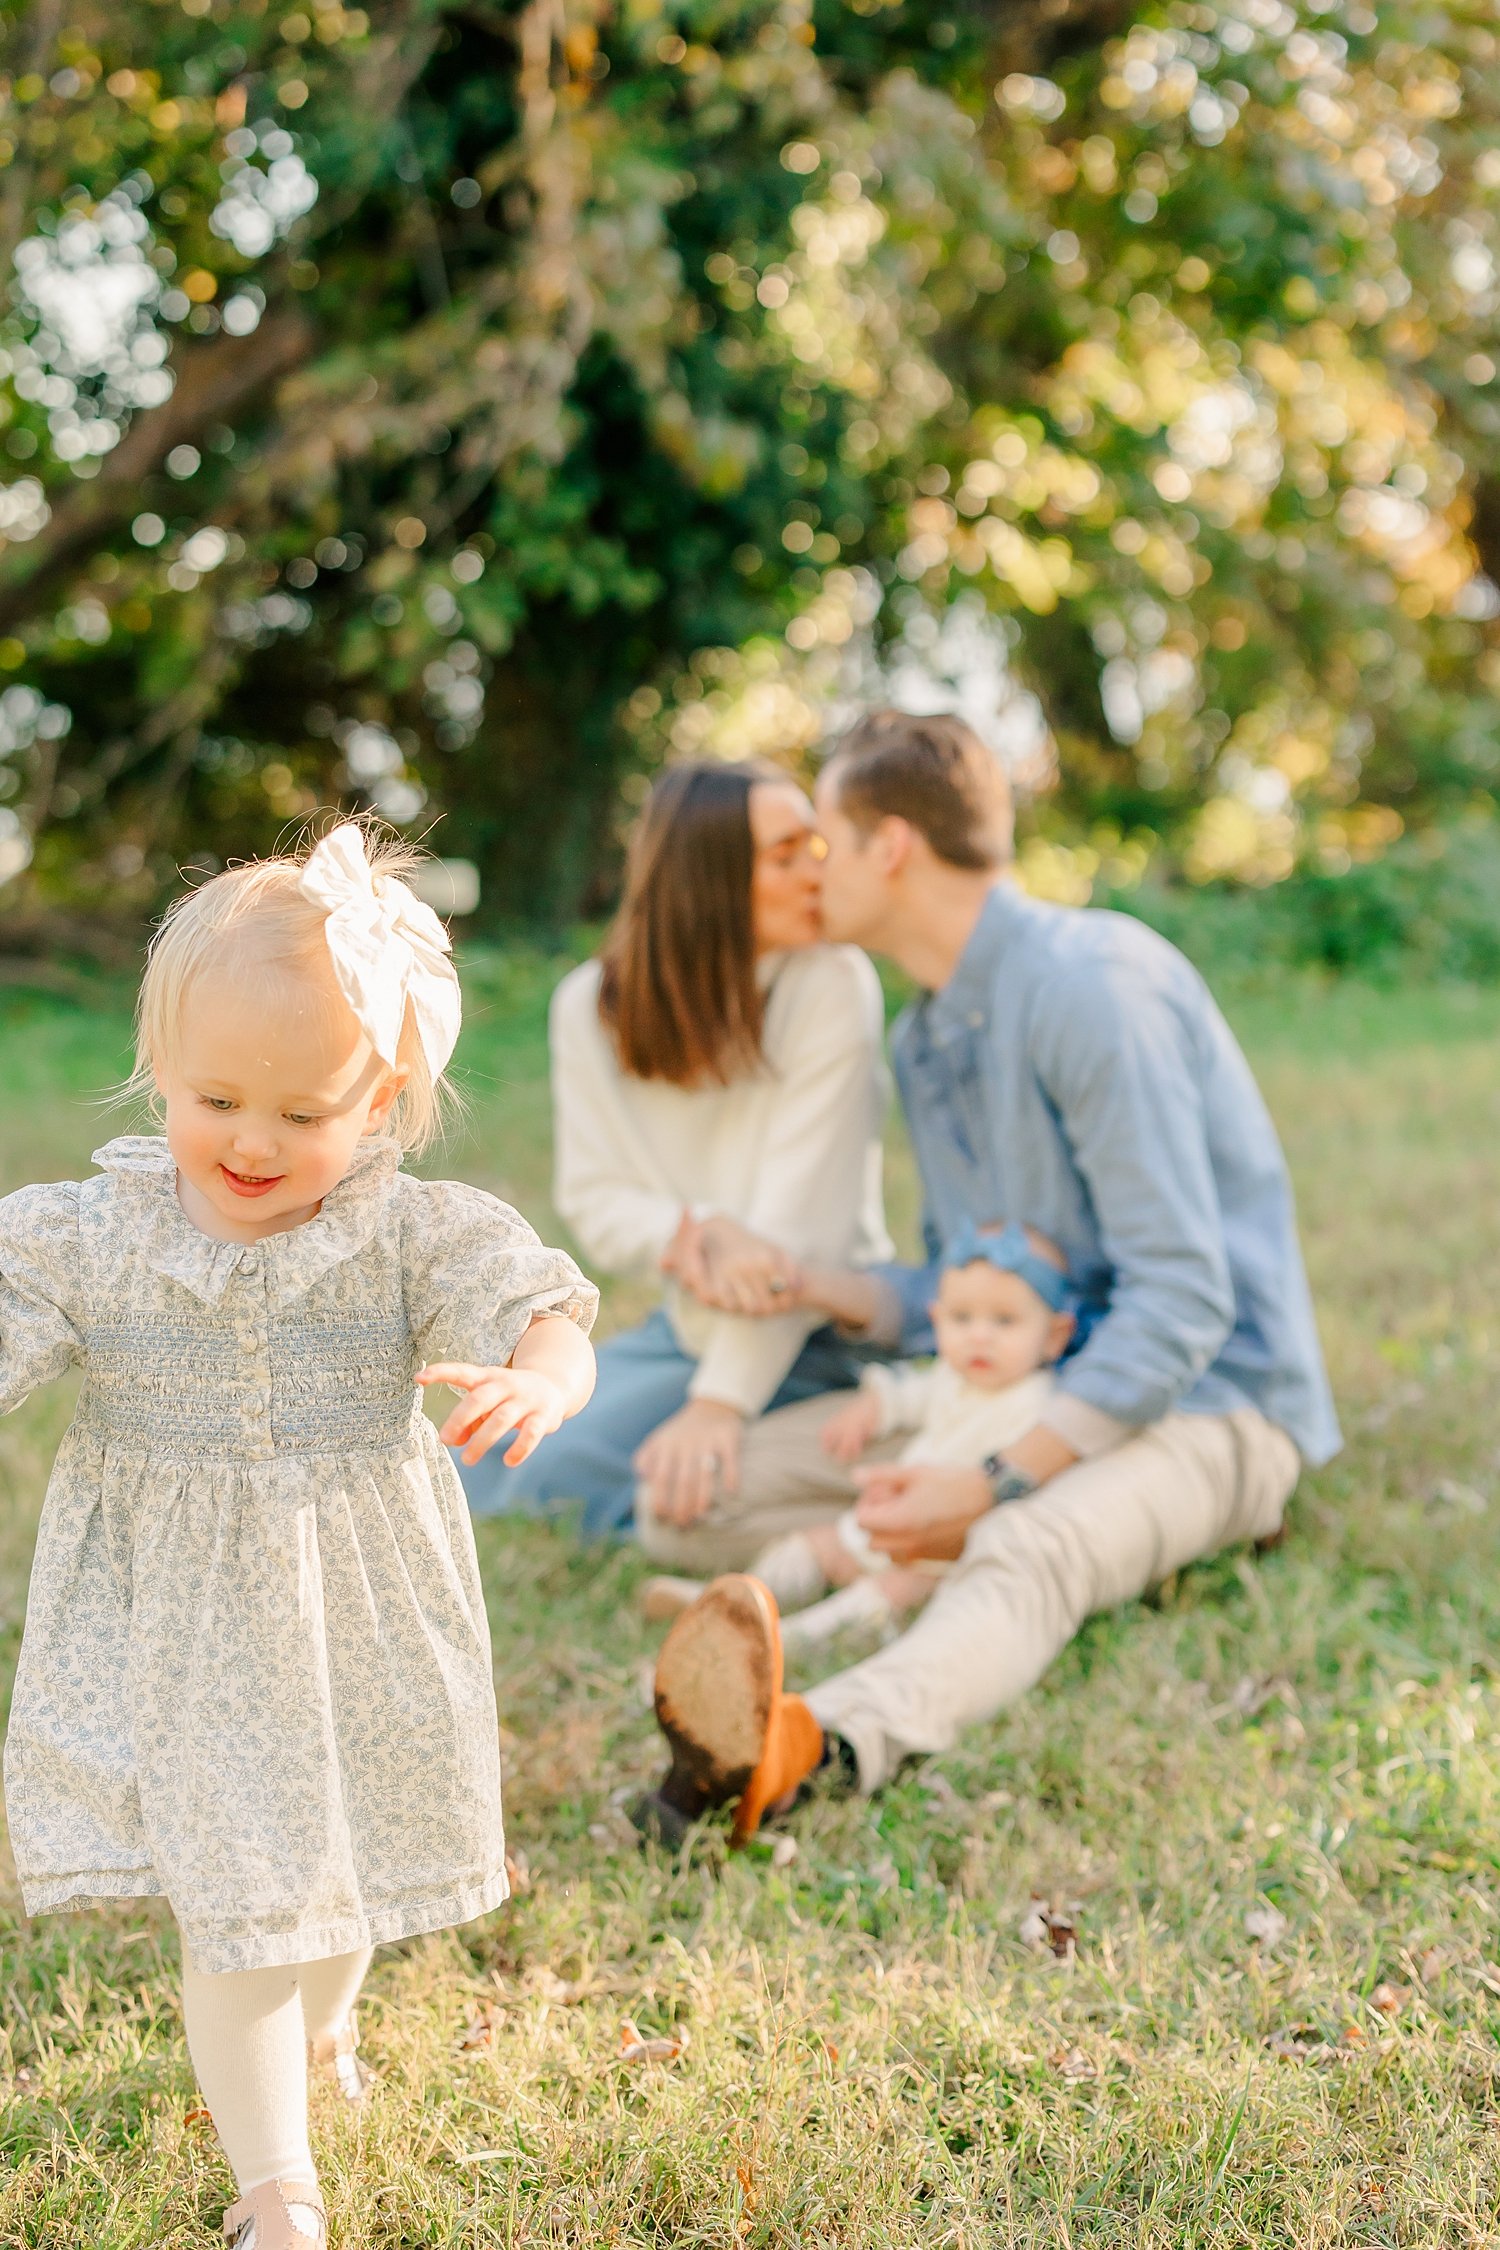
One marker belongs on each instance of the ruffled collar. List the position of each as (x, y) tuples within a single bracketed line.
[(142, 1165)]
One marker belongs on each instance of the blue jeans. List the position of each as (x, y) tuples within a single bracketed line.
[(643, 1377)]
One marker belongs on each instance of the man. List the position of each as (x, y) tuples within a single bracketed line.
[(1068, 1070)]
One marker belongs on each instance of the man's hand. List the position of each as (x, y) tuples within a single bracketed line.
[(920, 1514), (688, 1457), (498, 1399), (848, 1431)]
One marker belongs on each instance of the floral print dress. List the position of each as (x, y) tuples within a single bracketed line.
[(256, 1674)]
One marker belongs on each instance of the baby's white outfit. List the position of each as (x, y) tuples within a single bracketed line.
[(954, 1425), (256, 1674)]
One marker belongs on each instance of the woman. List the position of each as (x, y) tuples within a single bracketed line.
[(717, 1077)]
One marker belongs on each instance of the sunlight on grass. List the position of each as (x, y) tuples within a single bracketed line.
[(872, 2055)]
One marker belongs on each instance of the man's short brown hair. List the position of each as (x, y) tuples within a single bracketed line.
[(934, 773)]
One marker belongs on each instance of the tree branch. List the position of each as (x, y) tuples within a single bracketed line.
[(212, 381)]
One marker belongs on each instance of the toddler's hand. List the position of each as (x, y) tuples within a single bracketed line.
[(498, 1399), (852, 1428)]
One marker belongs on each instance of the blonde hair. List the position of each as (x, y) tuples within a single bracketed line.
[(261, 907)]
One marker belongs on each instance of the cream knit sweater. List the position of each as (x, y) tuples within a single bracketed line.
[(792, 1152)]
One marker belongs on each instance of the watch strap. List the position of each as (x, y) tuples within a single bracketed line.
[(1006, 1481)]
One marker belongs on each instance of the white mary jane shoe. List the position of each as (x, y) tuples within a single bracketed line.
[(275, 2217), (336, 2054)]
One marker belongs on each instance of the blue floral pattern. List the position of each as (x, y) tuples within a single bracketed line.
[(256, 1673)]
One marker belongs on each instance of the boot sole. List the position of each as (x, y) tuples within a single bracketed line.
[(716, 1682)]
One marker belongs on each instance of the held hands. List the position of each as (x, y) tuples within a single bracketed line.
[(920, 1514), (727, 1267), (498, 1399), (852, 1427), (688, 1458)]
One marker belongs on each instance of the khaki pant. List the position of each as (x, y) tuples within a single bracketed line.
[(1030, 1573), (787, 1483)]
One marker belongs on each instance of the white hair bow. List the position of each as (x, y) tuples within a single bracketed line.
[(387, 948)]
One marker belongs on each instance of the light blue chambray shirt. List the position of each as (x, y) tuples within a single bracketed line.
[(1075, 1074)]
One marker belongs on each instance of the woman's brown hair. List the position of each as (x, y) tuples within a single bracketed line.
[(678, 994)]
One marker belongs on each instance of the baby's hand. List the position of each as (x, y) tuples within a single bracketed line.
[(498, 1399), (853, 1427)]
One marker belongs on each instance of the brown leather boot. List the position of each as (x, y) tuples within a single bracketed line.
[(735, 1737)]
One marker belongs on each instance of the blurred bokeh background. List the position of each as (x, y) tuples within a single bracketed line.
[(457, 409)]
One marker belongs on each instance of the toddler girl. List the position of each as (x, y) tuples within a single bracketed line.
[(1000, 1321), (256, 1675)]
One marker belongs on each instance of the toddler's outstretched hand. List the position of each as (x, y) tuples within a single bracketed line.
[(498, 1399), (847, 1432)]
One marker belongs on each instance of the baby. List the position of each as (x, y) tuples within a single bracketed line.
[(1000, 1323)]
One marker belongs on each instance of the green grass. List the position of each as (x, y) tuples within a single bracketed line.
[(873, 2058)]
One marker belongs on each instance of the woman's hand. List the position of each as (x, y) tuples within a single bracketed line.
[(689, 1457), (855, 1425), (498, 1399), (724, 1265)]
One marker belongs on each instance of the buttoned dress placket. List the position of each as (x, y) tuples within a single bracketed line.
[(250, 1300)]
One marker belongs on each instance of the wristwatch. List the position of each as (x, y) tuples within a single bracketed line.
[(1006, 1482)]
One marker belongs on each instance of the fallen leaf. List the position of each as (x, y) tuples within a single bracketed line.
[(1062, 1935), (1352, 2035), (1301, 2042), (635, 2047), (517, 1869), (746, 2178), (1074, 2065), (1390, 1999), (197, 2117), (479, 2031), (1049, 1928), (558, 1992), (1266, 1924)]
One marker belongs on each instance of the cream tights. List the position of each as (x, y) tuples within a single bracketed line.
[(248, 2035)]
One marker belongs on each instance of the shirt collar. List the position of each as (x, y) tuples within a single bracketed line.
[(173, 1246), (964, 1003)]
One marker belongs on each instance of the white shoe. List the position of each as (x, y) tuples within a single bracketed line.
[(791, 1571), (665, 1598), (281, 2215), (336, 2054), (864, 1603)]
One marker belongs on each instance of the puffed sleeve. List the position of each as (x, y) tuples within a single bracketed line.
[(477, 1275), (40, 1322)]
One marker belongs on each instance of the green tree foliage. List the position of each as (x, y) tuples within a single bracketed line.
[(456, 407)]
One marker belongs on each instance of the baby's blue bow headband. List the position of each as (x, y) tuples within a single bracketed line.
[(1009, 1251)]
